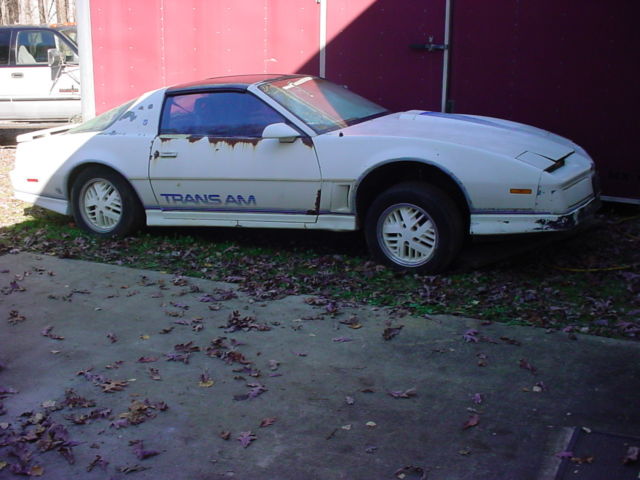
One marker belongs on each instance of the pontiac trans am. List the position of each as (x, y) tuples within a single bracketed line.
[(294, 151)]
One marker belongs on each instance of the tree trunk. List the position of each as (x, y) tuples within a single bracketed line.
[(62, 11)]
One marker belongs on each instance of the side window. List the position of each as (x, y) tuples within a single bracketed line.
[(65, 49), (33, 45), (221, 114), (5, 37)]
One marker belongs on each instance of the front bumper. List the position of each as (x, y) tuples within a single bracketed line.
[(505, 223)]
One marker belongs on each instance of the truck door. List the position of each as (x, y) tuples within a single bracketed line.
[(31, 89)]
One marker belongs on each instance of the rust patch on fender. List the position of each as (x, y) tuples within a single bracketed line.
[(194, 138), (316, 211)]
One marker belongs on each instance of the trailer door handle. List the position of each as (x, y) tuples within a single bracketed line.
[(168, 154), (17, 75)]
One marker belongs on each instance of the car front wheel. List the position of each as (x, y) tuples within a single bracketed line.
[(105, 204), (415, 227)]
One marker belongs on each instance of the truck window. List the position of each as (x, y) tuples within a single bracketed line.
[(33, 45), (5, 36)]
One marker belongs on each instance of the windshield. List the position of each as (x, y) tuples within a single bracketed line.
[(103, 121), (322, 105)]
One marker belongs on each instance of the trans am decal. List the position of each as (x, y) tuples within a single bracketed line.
[(208, 199)]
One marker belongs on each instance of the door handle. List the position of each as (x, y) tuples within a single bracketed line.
[(168, 154), (17, 75)]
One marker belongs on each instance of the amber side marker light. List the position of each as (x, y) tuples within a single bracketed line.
[(521, 191)]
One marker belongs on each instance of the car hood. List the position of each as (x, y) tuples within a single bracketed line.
[(484, 133)]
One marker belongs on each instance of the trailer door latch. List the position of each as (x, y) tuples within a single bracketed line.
[(429, 46)]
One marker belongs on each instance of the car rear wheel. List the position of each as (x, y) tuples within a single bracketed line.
[(105, 204), (415, 227)]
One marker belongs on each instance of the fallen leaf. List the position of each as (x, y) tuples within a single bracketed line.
[(342, 339), (147, 359), (470, 336), (477, 398), (98, 462), (132, 468), (391, 332), (349, 400), (472, 422), (527, 366), (140, 452), (404, 394), (154, 373), (371, 424), (205, 380), (482, 359), (565, 454), (15, 317), (582, 460), (245, 438), (267, 421), (46, 332), (36, 471), (113, 386)]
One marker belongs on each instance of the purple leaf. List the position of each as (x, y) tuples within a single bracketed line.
[(404, 394), (245, 438), (342, 339), (564, 454), (140, 452), (470, 336)]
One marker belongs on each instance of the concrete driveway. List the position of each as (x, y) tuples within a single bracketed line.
[(164, 377)]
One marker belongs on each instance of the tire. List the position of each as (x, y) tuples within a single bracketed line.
[(414, 227), (105, 204)]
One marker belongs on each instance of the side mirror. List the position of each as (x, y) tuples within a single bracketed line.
[(282, 132), (55, 59)]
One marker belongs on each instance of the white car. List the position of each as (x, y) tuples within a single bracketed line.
[(293, 151)]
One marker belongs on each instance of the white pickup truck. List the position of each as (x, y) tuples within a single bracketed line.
[(39, 74)]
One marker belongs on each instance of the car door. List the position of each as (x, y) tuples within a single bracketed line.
[(33, 89), (211, 164)]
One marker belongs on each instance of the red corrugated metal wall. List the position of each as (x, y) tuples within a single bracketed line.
[(570, 67), (139, 46)]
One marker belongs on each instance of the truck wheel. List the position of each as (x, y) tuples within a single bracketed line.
[(414, 227), (105, 204)]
